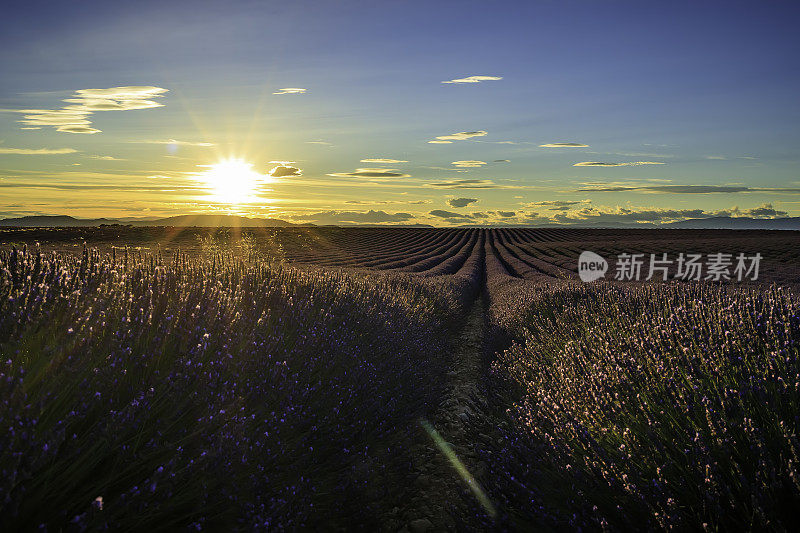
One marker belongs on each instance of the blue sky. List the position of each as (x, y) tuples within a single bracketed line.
[(666, 95)]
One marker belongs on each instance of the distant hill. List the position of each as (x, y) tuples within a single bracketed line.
[(45, 221), (790, 223), (182, 220), (213, 221)]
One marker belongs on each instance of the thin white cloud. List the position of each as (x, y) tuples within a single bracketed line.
[(629, 164), (135, 94), (291, 90), (371, 173), (564, 145), (37, 151), (388, 202), (460, 136), (466, 184), (386, 161), (440, 142), (173, 142), (106, 158), (558, 203), (284, 163), (74, 118), (689, 189), (474, 79), (324, 143), (77, 128), (469, 164)]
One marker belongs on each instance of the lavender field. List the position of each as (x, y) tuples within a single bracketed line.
[(389, 379)]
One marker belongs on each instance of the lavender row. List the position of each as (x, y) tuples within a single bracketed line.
[(211, 393), (667, 406)]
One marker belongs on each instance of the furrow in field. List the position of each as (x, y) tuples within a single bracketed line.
[(454, 262)]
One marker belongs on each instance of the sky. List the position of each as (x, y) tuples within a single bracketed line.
[(401, 112)]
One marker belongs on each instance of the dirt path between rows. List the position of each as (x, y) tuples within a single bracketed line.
[(446, 472)]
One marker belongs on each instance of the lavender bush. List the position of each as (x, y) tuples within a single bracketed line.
[(652, 406), (205, 392)]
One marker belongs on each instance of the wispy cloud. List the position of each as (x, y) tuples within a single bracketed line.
[(173, 142), (628, 164), (371, 173), (564, 145), (460, 136), (291, 90), (77, 128), (282, 171), (37, 151), (388, 202), (461, 202), (466, 184), (324, 143), (74, 118), (469, 164), (558, 203), (690, 189), (99, 186), (106, 158), (118, 98), (386, 161), (474, 79)]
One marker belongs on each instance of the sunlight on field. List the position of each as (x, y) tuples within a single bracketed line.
[(459, 467)]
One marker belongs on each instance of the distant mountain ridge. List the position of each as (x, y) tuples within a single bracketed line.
[(42, 221), (787, 223), (180, 220)]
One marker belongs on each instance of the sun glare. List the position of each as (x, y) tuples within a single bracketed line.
[(233, 181)]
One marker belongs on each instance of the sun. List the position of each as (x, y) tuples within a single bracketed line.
[(233, 181)]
